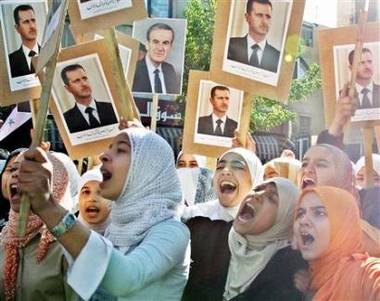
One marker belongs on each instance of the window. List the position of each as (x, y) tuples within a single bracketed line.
[(160, 8), (307, 35)]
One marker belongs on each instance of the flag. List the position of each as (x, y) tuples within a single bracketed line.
[(14, 121)]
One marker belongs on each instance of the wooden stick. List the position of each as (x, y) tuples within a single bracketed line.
[(153, 113), (367, 135), (37, 138), (129, 109)]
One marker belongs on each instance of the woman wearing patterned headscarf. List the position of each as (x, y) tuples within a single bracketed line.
[(33, 266), (144, 254), (328, 231)]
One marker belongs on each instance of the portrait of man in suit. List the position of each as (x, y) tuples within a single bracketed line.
[(253, 49), (367, 92), (20, 61), (153, 74), (87, 113), (218, 123)]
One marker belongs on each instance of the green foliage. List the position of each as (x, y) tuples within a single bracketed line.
[(200, 15), (267, 113)]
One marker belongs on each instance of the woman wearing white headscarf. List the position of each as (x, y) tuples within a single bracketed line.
[(360, 171), (258, 262), (237, 171), (145, 253)]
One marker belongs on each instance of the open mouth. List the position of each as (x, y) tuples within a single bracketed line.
[(13, 189), (92, 211), (307, 239), (306, 182), (227, 187), (106, 175), (247, 212)]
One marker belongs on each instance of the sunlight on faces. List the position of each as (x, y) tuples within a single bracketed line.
[(116, 161), (318, 168), (312, 227), (92, 206), (187, 160), (361, 178), (159, 45), (258, 211), (232, 179)]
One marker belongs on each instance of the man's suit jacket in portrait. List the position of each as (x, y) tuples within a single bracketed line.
[(76, 122), (238, 52), (18, 63), (205, 126), (375, 98), (141, 82)]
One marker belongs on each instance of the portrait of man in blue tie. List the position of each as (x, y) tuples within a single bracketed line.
[(153, 73)]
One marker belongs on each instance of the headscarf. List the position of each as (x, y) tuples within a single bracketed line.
[(213, 209), (92, 175), (345, 180), (201, 160), (151, 192), (251, 253), (74, 177), (11, 242), (361, 163), (344, 171), (285, 167), (342, 271)]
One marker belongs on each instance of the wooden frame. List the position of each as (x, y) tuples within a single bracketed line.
[(53, 32), (128, 49), (175, 56), (285, 30), (197, 105), (334, 46), (96, 61), (21, 88), (120, 12)]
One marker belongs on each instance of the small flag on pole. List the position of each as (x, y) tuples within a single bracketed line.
[(13, 122)]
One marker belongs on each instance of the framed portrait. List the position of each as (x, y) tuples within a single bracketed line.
[(51, 40), (19, 43), (92, 15), (160, 71), (257, 66), (83, 85), (128, 50), (210, 104), (336, 50)]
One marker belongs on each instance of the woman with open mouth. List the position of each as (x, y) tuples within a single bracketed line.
[(33, 266), (237, 171), (252, 260), (325, 164), (144, 254), (328, 232)]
